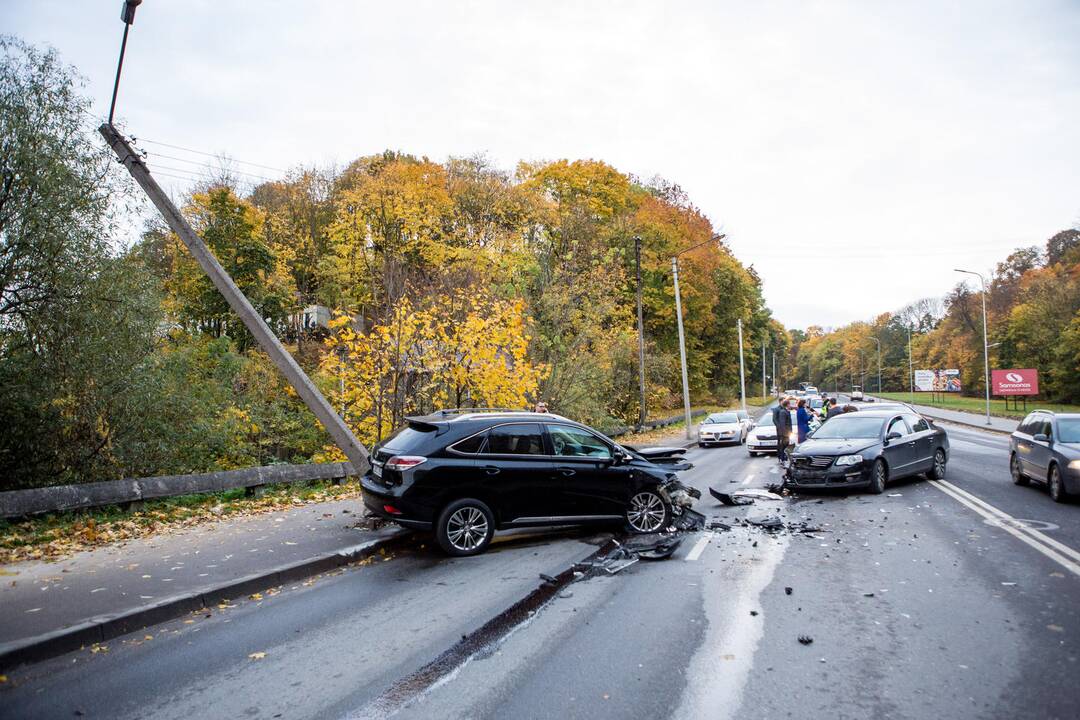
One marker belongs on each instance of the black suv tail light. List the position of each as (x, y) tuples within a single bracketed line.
[(404, 462)]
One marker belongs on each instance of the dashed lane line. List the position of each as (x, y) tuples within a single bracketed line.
[(1012, 527), (699, 547)]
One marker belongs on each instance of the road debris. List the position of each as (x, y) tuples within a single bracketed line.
[(806, 639), (744, 497), (788, 591)]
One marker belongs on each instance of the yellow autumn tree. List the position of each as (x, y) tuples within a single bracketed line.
[(470, 350)]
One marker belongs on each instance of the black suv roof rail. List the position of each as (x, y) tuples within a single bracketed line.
[(464, 410)]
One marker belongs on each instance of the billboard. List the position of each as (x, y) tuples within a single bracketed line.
[(938, 380), (1024, 381)]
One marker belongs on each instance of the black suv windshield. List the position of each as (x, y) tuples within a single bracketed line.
[(1069, 430), (844, 428)]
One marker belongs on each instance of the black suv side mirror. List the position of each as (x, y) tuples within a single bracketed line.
[(619, 457), (1040, 437)]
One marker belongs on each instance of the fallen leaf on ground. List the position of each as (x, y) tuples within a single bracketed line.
[(257, 655)]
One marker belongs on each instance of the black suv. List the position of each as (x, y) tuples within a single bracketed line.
[(1046, 448), (466, 474)]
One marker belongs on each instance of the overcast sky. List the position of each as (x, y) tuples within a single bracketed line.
[(876, 144)]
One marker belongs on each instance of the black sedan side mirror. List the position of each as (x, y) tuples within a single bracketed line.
[(893, 436), (1040, 437), (619, 457)]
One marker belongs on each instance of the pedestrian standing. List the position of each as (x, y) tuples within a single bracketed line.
[(782, 423), (833, 410), (802, 418)]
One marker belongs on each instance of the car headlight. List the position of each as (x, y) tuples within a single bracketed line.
[(849, 459), (1075, 465)]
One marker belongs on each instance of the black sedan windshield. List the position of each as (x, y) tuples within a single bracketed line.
[(844, 428)]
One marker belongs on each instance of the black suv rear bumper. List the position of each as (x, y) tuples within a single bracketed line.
[(377, 496)]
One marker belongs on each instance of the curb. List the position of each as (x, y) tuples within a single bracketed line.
[(106, 627)]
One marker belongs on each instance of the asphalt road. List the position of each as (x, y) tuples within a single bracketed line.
[(922, 602)]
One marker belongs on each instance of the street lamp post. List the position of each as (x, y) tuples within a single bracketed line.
[(878, 364), (910, 368), (682, 340), (986, 341), (742, 369)]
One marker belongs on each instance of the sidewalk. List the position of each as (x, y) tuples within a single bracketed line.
[(997, 424), (53, 607)]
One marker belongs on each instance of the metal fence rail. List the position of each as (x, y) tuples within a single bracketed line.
[(17, 503), (58, 498)]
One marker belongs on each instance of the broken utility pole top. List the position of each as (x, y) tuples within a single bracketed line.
[(339, 431)]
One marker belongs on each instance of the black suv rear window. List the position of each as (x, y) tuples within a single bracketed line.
[(524, 439), (407, 438)]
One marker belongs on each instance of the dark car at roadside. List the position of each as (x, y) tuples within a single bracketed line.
[(868, 449), (465, 475), (1045, 447)]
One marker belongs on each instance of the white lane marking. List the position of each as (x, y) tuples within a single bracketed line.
[(950, 490), (1060, 547), (747, 480), (699, 547)]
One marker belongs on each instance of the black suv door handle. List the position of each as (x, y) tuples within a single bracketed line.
[(567, 472), (491, 470)]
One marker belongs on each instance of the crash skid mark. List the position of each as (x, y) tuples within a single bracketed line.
[(719, 670), (614, 557)]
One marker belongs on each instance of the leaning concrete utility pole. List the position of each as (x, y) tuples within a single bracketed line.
[(334, 424), (339, 431)]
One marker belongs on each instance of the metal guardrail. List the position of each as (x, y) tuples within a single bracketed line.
[(60, 498), (652, 425)]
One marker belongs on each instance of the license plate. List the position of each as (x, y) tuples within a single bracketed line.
[(376, 470)]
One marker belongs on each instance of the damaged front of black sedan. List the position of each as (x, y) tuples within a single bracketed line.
[(868, 449)]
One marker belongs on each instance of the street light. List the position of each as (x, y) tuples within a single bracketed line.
[(682, 341), (986, 339), (878, 364), (910, 368)]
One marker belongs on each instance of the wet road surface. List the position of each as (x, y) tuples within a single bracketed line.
[(933, 600)]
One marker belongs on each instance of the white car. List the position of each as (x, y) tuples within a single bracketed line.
[(762, 438), (724, 427), (857, 393)]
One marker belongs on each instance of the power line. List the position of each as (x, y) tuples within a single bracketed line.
[(209, 154), (201, 165)]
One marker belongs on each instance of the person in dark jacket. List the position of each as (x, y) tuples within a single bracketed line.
[(833, 409), (782, 422), (802, 416)]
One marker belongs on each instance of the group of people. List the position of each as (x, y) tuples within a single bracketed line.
[(803, 413)]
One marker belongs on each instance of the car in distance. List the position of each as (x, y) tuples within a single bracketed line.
[(857, 393), (1045, 447), (723, 427), (762, 437), (466, 474), (868, 449)]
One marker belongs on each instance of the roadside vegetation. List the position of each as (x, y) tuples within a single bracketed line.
[(978, 404), (1033, 317), (57, 535), (426, 284)]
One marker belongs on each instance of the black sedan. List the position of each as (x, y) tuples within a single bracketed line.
[(869, 448), (466, 474)]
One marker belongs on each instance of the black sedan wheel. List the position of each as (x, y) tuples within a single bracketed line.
[(1057, 487), (465, 527), (937, 472), (1018, 476), (879, 475), (647, 512)]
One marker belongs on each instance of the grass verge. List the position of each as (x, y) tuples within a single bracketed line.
[(978, 405), (57, 535)]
